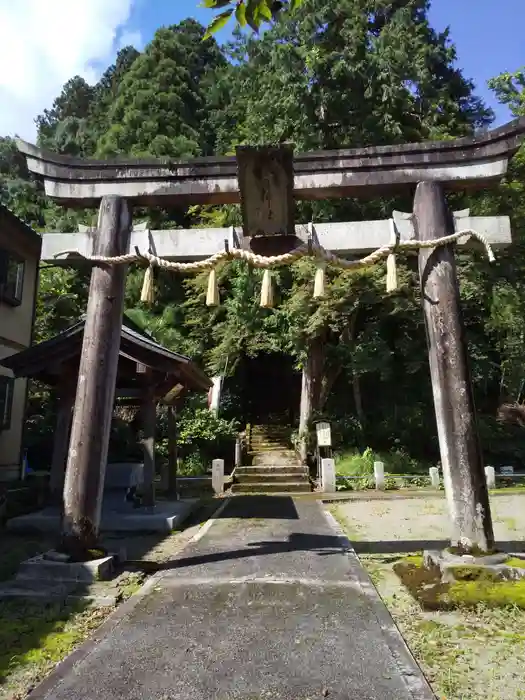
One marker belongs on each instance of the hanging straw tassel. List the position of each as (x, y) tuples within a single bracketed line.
[(319, 282), (267, 290), (391, 268), (212, 296), (147, 294)]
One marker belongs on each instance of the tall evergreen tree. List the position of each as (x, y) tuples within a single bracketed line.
[(161, 108), (349, 73)]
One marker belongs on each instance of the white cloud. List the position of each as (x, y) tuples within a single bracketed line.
[(128, 38), (43, 43)]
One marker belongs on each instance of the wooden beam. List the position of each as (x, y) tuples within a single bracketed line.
[(461, 457), (149, 419), (66, 400), (172, 450), (96, 383)]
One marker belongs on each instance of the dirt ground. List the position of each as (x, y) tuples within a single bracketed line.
[(466, 655)]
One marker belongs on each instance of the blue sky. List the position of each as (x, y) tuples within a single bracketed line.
[(44, 43), (489, 34)]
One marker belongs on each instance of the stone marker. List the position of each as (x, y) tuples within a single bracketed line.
[(490, 474), (238, 452), (217, 476), (379, 475), (434, 477), (328, 475)]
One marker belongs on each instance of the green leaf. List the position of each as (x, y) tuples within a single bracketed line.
[(215, 4), (252, 15), (264, 10), (240, 14), (294, 4), (218, 23)]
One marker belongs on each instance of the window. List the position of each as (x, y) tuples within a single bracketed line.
[(6, 401), (11, 278)]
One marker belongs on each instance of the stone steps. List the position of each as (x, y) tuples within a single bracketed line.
[(269, 477), (273, 487), (269, 469), (277, 477), (274, 458), (269, 437), (269, 447)]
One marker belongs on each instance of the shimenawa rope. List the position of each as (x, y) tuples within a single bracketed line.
[(312, 250), (315, 251)]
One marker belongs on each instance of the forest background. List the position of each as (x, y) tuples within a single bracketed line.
[(334, 73)]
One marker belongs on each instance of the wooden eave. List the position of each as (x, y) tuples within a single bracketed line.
[(45, 360)]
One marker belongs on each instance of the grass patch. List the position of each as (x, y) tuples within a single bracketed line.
[(516, 562), (474, 586), (35, 637)]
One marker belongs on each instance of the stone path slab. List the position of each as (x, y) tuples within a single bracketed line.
[(268, 603)]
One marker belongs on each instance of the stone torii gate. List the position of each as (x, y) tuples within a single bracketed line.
[(266, 182)]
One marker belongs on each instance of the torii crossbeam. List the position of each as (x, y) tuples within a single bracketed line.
[(267, 182)]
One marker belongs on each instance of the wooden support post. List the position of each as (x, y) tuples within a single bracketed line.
[(461, 457), (149, 419), (305, 410), (97, 375), (66, 400), (172, 450)]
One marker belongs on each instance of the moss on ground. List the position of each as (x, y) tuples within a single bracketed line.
[(516, 562), (473, 586), (35, 637)]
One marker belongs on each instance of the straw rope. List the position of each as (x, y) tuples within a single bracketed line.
[(314, 250)]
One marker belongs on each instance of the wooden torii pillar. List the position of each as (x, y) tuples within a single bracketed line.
[(97, 374), (434, 167)]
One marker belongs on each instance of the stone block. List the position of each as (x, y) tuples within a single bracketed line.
[(452, 565), (124, 475), (165, 516), (45, 567)]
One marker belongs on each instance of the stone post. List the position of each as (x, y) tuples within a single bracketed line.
[(490, 475), (434, 477), (328, 480), (461, 459), (379, 475), (217, 476), (238, 452)]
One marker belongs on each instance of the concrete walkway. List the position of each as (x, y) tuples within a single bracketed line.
[(268, 603)]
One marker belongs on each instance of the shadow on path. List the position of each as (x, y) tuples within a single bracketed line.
[(406, 546), (323, 545)]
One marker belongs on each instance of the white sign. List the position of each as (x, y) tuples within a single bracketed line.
[(214, 395), (507, 471), (324, 434)]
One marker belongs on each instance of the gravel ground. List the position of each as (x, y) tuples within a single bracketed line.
[(426, 519), (466, 655)]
